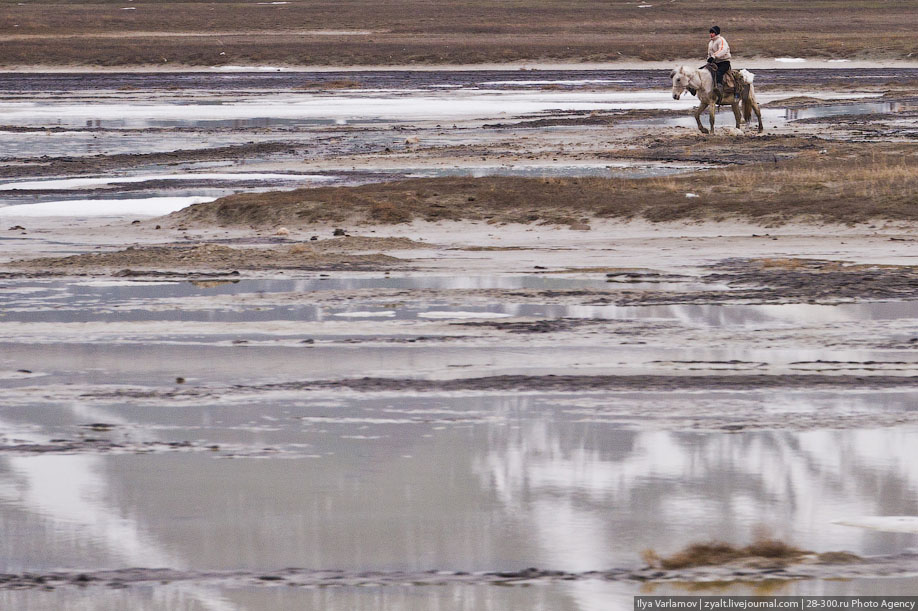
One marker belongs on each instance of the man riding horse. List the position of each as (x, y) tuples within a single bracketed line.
[(719, 55)]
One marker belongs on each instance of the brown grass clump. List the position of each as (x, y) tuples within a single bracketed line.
[(838, 558), (842, 185), (357, 252), (717, 553)]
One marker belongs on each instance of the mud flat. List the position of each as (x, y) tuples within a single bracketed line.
[(414, 359)]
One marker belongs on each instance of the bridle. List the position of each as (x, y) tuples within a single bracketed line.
[(689, 85)]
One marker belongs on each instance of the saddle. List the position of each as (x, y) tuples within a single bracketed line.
[(734, 85)]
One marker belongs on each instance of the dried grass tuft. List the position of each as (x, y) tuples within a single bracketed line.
[(717, 553)]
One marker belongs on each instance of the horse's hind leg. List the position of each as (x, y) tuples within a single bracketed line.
[(698, 112), (737, 114), (758, 113), (712, 108)]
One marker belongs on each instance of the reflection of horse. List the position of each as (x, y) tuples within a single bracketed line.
[(701, 81)]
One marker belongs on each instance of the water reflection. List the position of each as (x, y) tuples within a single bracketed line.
[(392, 598), (475, 483), (472, 484), (831, 110), (594, 498), (149, 301), (63, 510)]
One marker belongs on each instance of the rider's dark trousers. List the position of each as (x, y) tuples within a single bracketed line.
[(723, 67)]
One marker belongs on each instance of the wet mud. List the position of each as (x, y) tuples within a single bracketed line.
[(796, 280), (811, 567)]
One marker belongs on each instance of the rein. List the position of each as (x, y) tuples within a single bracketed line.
[(692, 87)]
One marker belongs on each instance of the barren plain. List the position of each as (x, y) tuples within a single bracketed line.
[(390, 339)]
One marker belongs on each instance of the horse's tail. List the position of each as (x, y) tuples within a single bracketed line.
[(747, 103), (749, 96)]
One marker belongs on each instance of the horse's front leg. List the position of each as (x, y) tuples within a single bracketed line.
[(712, 108), (698, 112)]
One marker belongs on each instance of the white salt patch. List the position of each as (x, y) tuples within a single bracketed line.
[(338, 32), (439, 314), (445, 104), (691, 195), (18, 375), (838, 61), (790, 60), (389, 314), (81, 183), (107, 283), (151, 206), (899, 524), (248, 69), (574, 82)]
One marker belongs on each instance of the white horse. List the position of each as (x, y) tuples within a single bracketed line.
[(701, 82)]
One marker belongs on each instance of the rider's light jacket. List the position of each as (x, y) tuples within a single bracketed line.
[(718, 48)]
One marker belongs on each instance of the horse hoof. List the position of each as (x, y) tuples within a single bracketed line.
[(704, 130)]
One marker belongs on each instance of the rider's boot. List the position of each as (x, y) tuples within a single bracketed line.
[(719, 92)]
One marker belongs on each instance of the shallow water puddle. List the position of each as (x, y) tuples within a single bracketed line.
[(832, 110), (592, 595), (144, 206), (312, 110), (84, 182), (780, 115), (141, 195), (31, 301), (114, 356), (475, 483), (608, 170), (114, 142)]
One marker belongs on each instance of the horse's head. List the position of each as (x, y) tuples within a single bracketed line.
[(680, 78)]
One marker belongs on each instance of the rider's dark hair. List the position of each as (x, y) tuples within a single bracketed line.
[(715, 29)]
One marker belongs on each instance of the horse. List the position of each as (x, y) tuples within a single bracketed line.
[(701, 81)]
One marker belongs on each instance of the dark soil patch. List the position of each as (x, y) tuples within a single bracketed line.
[(556, 325), (578, 383), (787, 280), (812, 280)]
